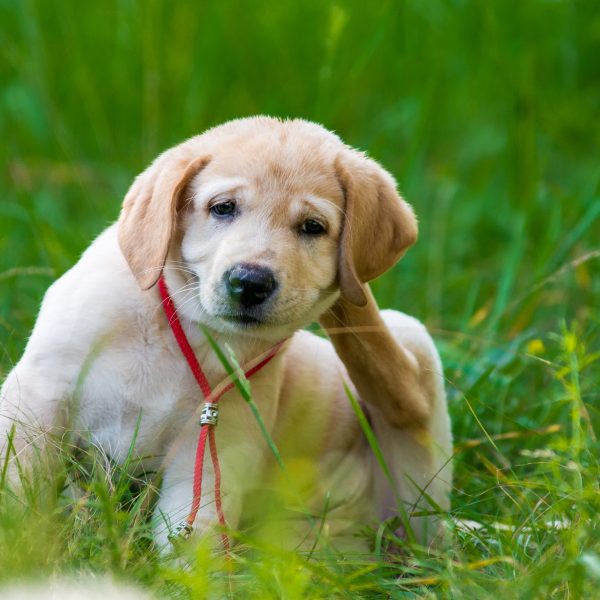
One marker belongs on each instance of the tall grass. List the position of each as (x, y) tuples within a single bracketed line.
[(487, 114)]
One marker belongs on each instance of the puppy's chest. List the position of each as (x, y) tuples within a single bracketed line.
[(139, 387)]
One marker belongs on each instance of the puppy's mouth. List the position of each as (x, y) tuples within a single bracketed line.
[(242, 319)]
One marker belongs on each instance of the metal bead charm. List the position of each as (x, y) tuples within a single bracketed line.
[(210, 414), (182, 532)]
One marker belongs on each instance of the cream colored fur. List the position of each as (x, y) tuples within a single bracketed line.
[(101, 355)]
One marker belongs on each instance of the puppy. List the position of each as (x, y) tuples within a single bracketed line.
[(259, 227)]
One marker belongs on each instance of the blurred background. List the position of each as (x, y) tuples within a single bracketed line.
[(488, 114)]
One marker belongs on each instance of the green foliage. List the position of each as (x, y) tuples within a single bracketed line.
[(486, 112)]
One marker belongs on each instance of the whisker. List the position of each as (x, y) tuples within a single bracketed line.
[(172, 268)]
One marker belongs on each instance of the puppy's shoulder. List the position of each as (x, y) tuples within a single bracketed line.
[(97, 291), (99, 275)]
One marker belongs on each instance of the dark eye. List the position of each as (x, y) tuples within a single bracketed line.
[(223, 209), (312, 227)]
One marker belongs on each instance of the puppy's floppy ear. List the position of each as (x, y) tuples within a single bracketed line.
[(379, 225), (149, 214)]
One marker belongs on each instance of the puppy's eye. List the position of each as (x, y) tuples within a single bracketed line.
[(312, 227), (223, 209)]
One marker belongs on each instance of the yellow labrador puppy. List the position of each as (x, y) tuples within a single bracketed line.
[(260, 227)]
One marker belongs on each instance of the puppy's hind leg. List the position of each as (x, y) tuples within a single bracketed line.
[(418, 457)]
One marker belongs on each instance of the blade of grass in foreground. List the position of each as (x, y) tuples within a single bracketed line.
[(242, 384)]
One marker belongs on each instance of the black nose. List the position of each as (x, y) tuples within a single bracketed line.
[(250, 285)]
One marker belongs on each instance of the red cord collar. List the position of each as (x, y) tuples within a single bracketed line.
[(208, 419)]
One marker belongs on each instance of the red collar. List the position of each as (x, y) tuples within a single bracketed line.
[(208, 418)]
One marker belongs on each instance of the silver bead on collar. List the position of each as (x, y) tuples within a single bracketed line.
[(210, 414)]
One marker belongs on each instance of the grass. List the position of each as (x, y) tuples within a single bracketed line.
[(487, 114)]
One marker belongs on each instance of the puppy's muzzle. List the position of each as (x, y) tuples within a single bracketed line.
[(249, 285)]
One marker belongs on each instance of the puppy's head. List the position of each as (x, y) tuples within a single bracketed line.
[(265, 222)]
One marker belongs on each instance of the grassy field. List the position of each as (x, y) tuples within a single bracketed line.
[(487, 113)]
